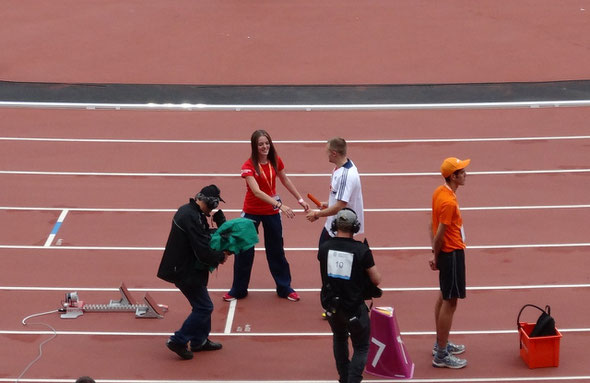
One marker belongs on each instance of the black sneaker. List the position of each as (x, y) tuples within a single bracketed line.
[(180, 349), (207, 346)]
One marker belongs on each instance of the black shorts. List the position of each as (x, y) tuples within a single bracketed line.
[(451, 275)]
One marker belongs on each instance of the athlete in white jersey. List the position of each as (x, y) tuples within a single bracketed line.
[(345, 189)]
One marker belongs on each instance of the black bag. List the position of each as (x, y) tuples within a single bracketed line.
[(371, 291), (545, 325)]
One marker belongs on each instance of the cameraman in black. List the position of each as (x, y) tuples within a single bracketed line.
[(186, 262), (349, 276)]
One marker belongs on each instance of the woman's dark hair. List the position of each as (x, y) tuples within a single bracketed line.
[(272, 153)]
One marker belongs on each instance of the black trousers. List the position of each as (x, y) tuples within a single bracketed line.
[(359, 328)]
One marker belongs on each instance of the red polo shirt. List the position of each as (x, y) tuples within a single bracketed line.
[(267, 182)]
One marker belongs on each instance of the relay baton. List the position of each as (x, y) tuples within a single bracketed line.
[(314, 200)]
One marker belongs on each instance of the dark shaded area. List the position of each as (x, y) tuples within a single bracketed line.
[(294, 94)]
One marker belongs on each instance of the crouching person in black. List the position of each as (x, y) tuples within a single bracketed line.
[(186, 262), (349, 276)]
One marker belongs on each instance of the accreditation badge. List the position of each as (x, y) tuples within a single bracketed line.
[(340, 264)]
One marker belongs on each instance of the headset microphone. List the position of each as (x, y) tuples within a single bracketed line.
[(346, 219)]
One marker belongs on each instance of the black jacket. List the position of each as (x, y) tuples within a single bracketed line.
[(188, 258)]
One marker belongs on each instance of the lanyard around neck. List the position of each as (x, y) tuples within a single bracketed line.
[(269, 183)]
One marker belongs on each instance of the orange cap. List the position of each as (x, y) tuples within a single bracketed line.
[(451, 165)]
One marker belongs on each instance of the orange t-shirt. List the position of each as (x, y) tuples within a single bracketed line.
[(445, 210)]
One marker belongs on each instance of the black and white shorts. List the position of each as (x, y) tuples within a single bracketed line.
[(451, 275)]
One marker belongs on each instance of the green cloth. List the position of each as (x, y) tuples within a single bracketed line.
[(235, 236)]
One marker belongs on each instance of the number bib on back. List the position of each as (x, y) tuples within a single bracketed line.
[(339, 264)]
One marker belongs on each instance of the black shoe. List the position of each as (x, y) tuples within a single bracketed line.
[(207, 346), (180, 349)]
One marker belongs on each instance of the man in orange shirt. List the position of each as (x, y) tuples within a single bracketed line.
[(448, 247)]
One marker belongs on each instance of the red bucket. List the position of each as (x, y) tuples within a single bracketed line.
[(541, 351)]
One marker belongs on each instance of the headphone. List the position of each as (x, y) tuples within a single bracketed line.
[(354, 226), (211, 202)]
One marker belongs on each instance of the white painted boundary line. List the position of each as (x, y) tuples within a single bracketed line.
[(290, 107), (236, 175), (230, 316), (383, 210), (385, 248), (578, 378), (463, 380), (268, 334), (323, 142), (309, 290), (56, 227)]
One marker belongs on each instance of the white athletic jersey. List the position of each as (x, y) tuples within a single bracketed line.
[(346, 186)]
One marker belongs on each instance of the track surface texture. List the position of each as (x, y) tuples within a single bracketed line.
[(88, 195)]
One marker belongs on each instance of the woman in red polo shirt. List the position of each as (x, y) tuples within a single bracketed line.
[(263, 205)]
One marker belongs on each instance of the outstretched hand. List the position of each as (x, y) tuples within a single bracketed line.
[(312, 216), (287, 211), (305, 206)]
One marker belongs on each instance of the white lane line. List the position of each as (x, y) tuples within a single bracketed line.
[(368, 141), (384, 248), (230, 316), (56, 227), (382, 210), (225, 175), (107, 248), (578, 378), (305, 290), (294, 107), (271, 334), (99, 209)]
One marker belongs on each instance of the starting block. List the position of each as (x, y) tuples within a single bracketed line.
[(72, 307)]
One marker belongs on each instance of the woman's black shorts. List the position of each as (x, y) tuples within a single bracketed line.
[(451, 275)]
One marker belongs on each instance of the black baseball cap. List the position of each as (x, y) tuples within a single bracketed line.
[(212, 191)]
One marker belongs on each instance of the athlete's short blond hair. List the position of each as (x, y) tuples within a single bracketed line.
[(337, 144)]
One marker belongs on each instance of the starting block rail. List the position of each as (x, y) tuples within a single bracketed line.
[(72, 307)]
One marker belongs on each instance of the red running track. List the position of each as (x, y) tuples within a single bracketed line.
[(306, 42), (290, 335), (399, 42)]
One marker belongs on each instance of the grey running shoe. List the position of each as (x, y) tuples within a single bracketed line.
[(449, 361), (452, 348)]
